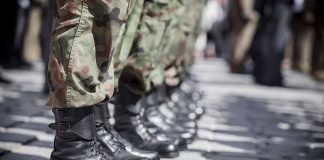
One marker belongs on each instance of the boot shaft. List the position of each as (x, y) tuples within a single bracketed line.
[(127, 102), (78, 121), (75, 137)]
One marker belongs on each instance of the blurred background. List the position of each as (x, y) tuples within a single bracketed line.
[(259, 62)]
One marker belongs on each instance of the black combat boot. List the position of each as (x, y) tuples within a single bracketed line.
[(75, 137), (113, 143), (155, 119), (185, 101), (131, 125), (149, 155), (169, 126), (175, 112), (153, 99), (162, 135)]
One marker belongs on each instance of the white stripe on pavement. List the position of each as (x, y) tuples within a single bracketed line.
[(39, 134), (25, 149)]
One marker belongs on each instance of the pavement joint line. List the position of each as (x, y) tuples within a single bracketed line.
[(12, 94), (224, 127), (258, 92), (218, 147), (226, 137), (26, 149), (42, 136), (316, 145), (308, 127)]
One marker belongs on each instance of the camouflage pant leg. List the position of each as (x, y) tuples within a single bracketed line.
[(85, 36), (195, 28), (143, 69), (124, 47), (180, 51)]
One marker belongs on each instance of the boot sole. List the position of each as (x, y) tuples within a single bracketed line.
[(169, 155), (182, 147)]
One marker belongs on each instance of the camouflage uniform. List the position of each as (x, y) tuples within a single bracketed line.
[(125, 46), (163, 38), (144, 67), (179, 54), (91, 34), (82, 46)]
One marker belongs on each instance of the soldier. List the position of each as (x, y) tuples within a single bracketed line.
[(81, 77), (139, 70), (160, 42)]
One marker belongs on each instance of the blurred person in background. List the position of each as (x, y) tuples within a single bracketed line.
[(16, 58), (317, 63), (215, 28), (243, 20), (270, 39), (302, 33), (14, 45), (307, 26), (230, 25), (8, 38)]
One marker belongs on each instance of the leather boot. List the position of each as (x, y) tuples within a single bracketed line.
[(153, 99), (131, 125), (113, 143), (75, 137), (193, 93), (184, 102), (161, 119), (160, 107), (171, 126), (189, 85), (149, 155), (172, 113)]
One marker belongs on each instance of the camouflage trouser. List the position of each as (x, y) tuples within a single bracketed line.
[(179, 51), (83, 42), (144, 67), (124, 48), (159, 39)]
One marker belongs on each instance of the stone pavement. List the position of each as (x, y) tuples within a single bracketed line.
[(243, 121)]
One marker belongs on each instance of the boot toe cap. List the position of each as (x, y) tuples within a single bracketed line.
[(167, 150)]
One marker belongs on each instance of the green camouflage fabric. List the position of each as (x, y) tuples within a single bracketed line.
[(144, 67), (84, 39), (189, 57), (158, 43), (123, 49), (179, 51)]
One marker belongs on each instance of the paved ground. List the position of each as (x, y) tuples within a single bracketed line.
[(244, 121)]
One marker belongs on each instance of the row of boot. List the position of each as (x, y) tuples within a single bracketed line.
[(158, 124)]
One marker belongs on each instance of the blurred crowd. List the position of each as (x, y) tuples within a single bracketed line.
[(261, 36)]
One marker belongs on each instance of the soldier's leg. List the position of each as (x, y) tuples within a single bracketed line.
[(181, 103), (190, 54), (141, 72), (121, 55), (81, 77), (174, 44), (176, 74)]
